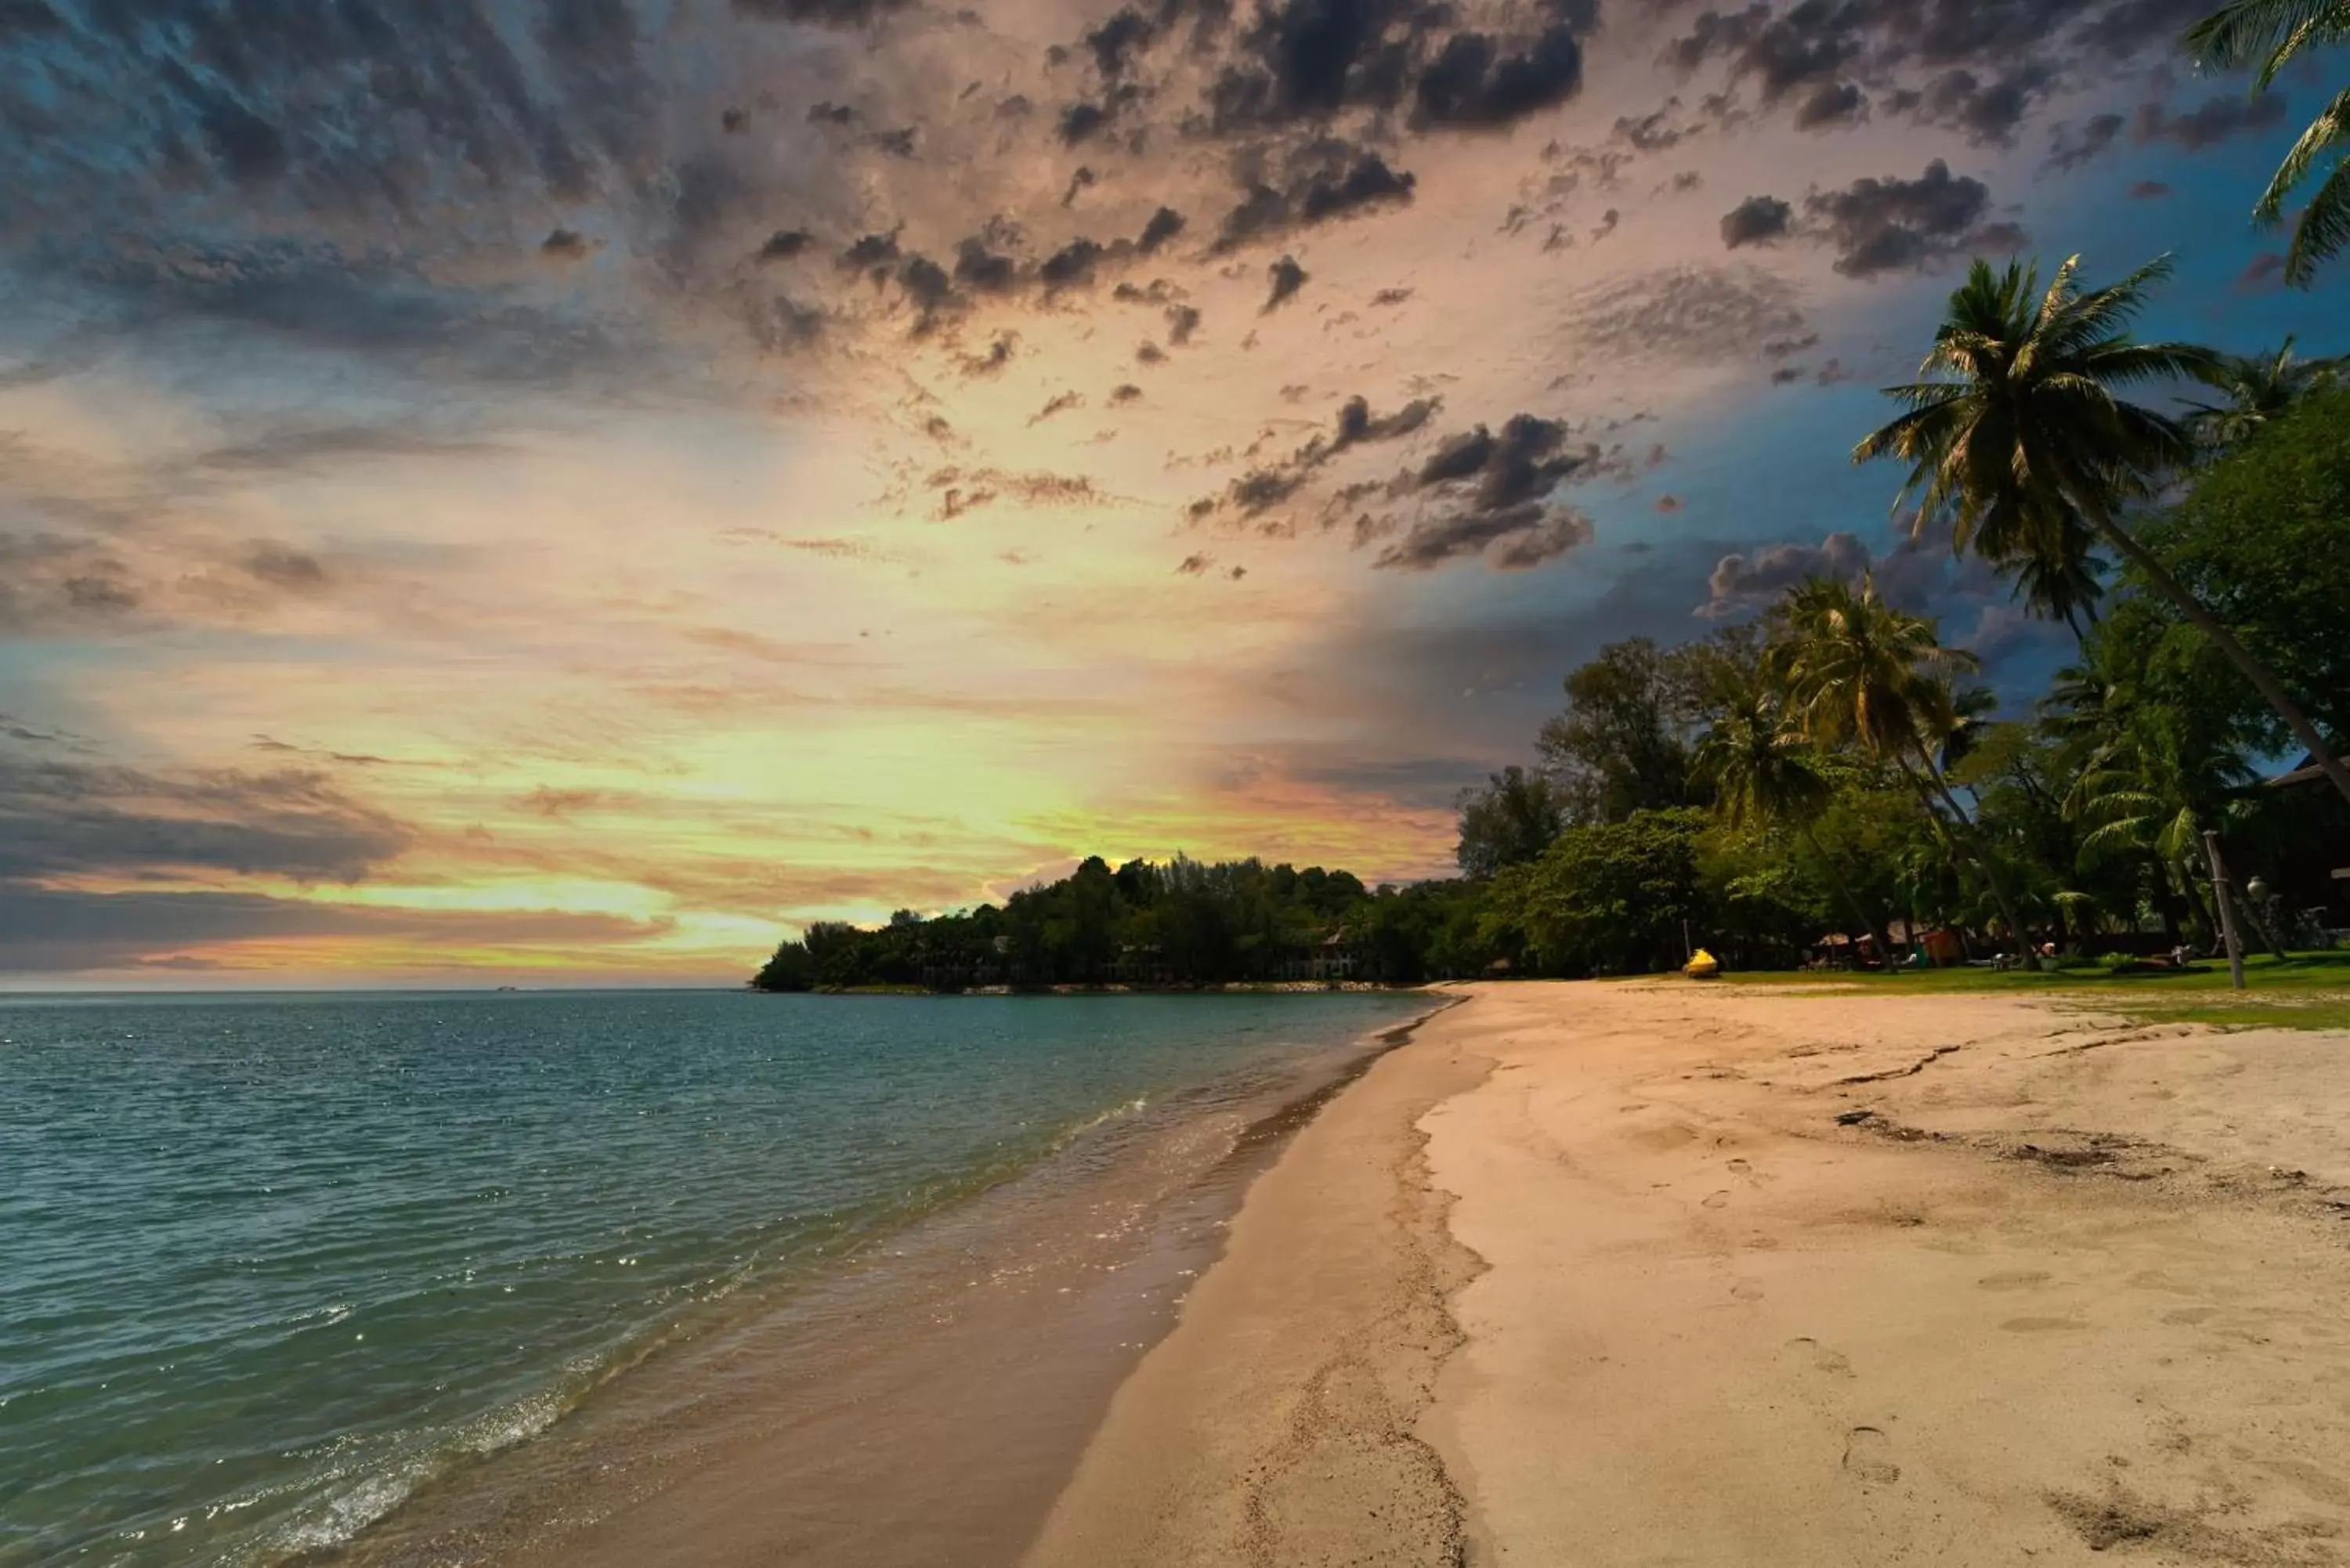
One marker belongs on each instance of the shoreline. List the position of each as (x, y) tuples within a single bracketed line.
[(931, 1395), (1640, 1274)]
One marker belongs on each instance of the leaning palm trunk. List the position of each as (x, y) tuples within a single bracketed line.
[(2210, 626), (1852, 906), (1927, 783)]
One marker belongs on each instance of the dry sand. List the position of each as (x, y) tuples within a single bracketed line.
[(1667, 1274)]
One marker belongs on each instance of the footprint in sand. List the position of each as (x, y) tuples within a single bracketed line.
[(1715, 1199), (2015, 1280), (2191, 1316), (1832, 1362), (1869, 1457), (1747, 1291), (1741, 1167)]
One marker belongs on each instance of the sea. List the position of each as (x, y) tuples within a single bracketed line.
[(396, 1277)]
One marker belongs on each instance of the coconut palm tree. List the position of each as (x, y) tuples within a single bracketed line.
[(1858, 672), (2255, 389), (1765, 773), (2017, 440), (2273, 33)]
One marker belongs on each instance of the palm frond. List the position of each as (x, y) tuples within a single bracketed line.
[(2330, 128), (2323, 229), (2242, 30)]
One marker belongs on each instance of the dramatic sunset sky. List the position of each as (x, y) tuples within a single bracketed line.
[(571, 490)]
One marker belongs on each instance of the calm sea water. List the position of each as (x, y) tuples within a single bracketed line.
[(267, 1263)]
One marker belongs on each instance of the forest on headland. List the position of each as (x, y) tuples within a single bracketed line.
[(1832, 782)]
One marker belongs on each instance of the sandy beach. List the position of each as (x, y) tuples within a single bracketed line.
[(1658, 1273)]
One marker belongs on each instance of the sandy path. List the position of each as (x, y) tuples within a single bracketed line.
[(2068, 1292)]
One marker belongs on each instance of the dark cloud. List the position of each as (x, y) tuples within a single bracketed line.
[(1893, 224), (375, 307), (1324, 181), (1489, 494), (2068, 147), (984, 270), (1758, 220), (2217, 119), (1182, 321), (994, 358), (1744, 582), (1124, 393), (1979, 67), (1653, 133), (869, 253), (1126, 33), (784, 245), (1831, 104), (1164, 226), (1262, 489), (780, 324), (929, 290), (1307, 59), (1071, 266), (61, 819), (1286, 279), (1987, 112), (2148, 190), (1059, 404), (565, 244), (1080, 121), (817, 13), (1476, 83), (50, 580)]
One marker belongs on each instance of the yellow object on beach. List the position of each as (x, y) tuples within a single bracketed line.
[(1703, 966)]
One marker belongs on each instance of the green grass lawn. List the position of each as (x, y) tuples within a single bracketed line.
[(2306, 990)]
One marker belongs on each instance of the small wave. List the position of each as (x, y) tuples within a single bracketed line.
[(344, 1515)]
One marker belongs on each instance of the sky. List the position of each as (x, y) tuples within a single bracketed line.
[(570, 491)]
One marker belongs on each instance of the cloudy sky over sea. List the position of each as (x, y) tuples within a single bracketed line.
[(575, 489)]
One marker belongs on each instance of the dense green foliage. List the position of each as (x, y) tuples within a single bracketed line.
[(2261, 538), (1179, 924)]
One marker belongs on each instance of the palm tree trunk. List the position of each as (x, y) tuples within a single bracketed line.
[(2209, 624), (1843, 890), (1980, 849)]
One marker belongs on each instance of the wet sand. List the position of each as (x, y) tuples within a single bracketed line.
[(920, 1405), (1660, 1273)]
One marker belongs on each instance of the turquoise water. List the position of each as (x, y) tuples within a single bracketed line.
[(265, 1263)]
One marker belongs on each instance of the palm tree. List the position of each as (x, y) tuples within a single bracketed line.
[(1765, 773), (2016, 439), (2255, 389), (2273, 33), (1857, 671)]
